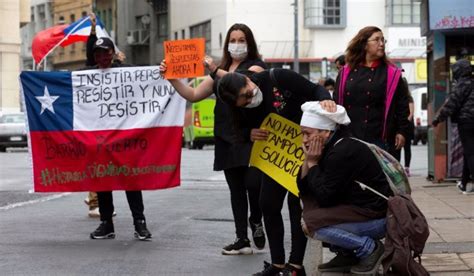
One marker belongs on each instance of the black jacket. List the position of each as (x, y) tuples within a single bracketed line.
[(295, 90), (460, 103), (366, 103), (331, 183), (230, 152)]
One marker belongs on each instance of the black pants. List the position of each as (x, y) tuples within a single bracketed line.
[(244, 181), (106, 205), (466, 133), (272, 196)]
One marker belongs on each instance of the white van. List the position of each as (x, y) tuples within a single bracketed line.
[(420, 118)]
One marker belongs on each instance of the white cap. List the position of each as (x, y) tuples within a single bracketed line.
[(314, 116)]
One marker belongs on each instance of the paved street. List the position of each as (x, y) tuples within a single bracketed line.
[(48, 234)]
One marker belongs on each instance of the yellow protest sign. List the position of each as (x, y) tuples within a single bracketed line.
[(281, 155)]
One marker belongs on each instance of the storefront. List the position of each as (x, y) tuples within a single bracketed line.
[(449, 29)]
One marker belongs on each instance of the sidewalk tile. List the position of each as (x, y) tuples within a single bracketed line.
[(449, 229), (443, 262), (468, 258)]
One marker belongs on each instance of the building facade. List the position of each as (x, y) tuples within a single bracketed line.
[(66, 12), (325, 28), (41, 18), (13, 15)]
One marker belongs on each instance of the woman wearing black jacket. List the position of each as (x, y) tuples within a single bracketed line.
[(252, 99), (230, 154)]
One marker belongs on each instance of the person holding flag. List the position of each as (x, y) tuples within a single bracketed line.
[(91, 200), (103, 52), (63, 35)]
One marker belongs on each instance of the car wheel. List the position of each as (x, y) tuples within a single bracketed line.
[(415, 142), (3, 149), (423, 141)]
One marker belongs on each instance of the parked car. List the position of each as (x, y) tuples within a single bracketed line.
[(12, 131), (199, 128), (420, 118)]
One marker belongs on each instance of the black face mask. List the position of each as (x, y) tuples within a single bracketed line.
[(103, 58)]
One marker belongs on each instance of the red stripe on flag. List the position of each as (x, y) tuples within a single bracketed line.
[(45, 40), (73, 39), (136, 159)]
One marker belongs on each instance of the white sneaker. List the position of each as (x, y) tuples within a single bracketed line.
[(94, 213), (469, 189)]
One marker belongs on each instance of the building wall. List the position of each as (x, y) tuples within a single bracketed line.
[(13, 14), (41, 18), (73, 56), (185, 14), (129, 21)]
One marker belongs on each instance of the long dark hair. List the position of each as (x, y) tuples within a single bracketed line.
[(355, 52), (228, 91), (251, 45), (229, 87)]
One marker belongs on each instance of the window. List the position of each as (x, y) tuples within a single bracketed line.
[(403, 12), (183, 34), (160, 8), (175, 35), (325, 13), (202, 30)]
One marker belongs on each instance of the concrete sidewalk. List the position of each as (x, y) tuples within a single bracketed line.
[(450, 215)]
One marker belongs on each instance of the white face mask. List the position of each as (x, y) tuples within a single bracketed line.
[(237, 51), (256, 99)]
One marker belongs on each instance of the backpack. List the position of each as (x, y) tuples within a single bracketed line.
[(407, 233), (406, 228), (393, 170)]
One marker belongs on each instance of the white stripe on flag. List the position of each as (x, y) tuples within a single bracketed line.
[(124, 98)]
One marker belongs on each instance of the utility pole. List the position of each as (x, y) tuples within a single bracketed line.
[(296, 63)]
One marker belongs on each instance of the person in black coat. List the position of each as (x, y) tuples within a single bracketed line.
[(460, 107), (103, 52), (371, 89), (336, 210), (232, 155), (252, 99)]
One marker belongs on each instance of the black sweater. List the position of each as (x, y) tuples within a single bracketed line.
[(295, 89)]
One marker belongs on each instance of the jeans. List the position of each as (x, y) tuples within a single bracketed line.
[(357, 237)]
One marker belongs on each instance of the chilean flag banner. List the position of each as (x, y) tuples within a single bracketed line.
[(63, 35), (102, 130)]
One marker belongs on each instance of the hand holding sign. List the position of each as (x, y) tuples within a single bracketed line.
[(184, 58), (278, 152)]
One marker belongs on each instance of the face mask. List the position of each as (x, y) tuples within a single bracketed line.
[(103, 59), (237, 51), (256, 99)]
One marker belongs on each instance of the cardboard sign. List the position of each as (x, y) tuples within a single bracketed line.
[(281, 155), (184, 58)]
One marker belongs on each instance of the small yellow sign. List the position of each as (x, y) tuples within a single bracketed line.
[(281, 155), (421, 70)]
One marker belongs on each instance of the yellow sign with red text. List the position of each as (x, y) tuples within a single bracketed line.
[(281, 155)]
